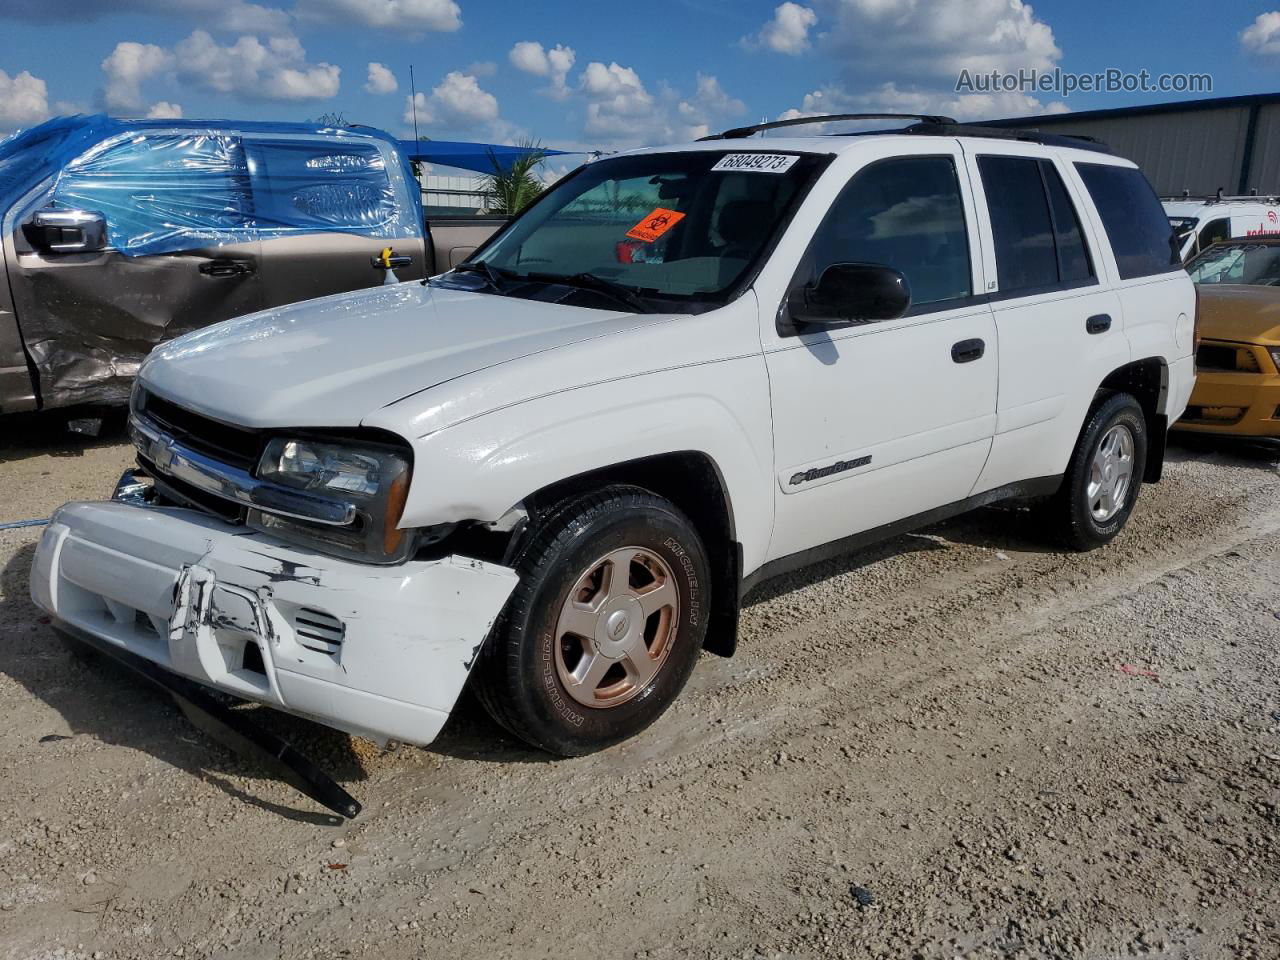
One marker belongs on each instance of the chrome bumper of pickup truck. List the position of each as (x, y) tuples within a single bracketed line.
[(382, 652)]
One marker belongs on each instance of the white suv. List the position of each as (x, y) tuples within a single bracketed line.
[(557, 469)]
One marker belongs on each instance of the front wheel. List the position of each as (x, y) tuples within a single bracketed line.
[(605, 625), (1101, 484)]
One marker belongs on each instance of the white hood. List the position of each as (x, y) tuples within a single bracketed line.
[(332, 362)]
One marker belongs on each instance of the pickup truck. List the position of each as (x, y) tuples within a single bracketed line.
[(555, 470), (116, 235)]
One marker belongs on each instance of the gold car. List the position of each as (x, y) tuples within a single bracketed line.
[(1237, 392)]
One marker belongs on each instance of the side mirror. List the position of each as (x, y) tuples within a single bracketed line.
[(55, 230), (849, 293)]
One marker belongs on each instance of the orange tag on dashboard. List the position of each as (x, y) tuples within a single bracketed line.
[(655, 224)]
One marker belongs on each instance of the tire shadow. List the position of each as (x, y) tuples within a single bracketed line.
[(1251, 454)]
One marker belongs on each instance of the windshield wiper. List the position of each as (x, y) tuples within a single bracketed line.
[(590, 281), (486, 270)]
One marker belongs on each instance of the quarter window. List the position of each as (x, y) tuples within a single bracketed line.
[(905, 213), (1134, 220)]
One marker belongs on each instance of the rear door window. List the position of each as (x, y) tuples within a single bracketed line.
[(312, 186), (1021, 224), (1136, 225)]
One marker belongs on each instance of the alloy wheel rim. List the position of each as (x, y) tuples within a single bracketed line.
[(1110, 474), (616, 628)]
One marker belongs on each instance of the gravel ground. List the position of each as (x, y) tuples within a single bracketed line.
[(959, 744)]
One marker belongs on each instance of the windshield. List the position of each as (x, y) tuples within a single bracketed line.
[(1253, 264), (671, 226), (1183, 227)]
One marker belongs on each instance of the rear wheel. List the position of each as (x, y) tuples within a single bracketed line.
[(1104, 476), (605, 625)]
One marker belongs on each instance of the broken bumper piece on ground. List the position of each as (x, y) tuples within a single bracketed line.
[(381, 652)]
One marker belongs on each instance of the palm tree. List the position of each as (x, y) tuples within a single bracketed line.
[(508, 191)]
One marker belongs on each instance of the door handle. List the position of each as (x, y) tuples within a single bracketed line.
[(1100, 323), (966, 351), (388, 263), (226, 267)]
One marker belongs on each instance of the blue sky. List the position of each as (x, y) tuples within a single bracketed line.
[(605, 76)]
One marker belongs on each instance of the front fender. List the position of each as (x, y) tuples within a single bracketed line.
[(479, 468)]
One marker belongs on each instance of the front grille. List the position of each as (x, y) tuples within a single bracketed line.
[(1228, 359), (235, 446), (179, 493)]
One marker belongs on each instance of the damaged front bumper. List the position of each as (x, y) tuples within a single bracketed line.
[(381, 652)]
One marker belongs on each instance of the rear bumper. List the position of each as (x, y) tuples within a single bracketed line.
[(1255, 395), (382, 652)]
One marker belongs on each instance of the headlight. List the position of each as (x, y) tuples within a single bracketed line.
[(374, 479), (1275, 356)]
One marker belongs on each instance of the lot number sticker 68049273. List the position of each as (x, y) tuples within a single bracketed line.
[(756, 163)]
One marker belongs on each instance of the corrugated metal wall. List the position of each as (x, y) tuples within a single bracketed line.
[(1198, 150), (1265, 172)]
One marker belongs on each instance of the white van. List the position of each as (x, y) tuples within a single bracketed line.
[(1199, 223)]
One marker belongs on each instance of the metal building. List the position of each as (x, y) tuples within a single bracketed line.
[(1199, 146)]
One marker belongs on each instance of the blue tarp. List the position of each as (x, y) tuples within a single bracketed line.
[(479, 157), (197, 183)]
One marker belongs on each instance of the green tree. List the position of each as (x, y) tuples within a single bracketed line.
[(508, 191)]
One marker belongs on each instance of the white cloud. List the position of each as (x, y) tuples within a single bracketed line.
[(462, 102), (906, 55), (621, 111), (24, 101), (917, 39), (127, 67), (164, 110), (709, 104), (889, 98), (1263, 35), (554, 63), (458, 102), (619, 108), (418, 110), (481, 68), (787, 32), (381, 79), (401, 15), (252, 70), (528, 56)]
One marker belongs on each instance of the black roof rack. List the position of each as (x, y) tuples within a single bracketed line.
[(738, 133), (927, 125), (953, 129)]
